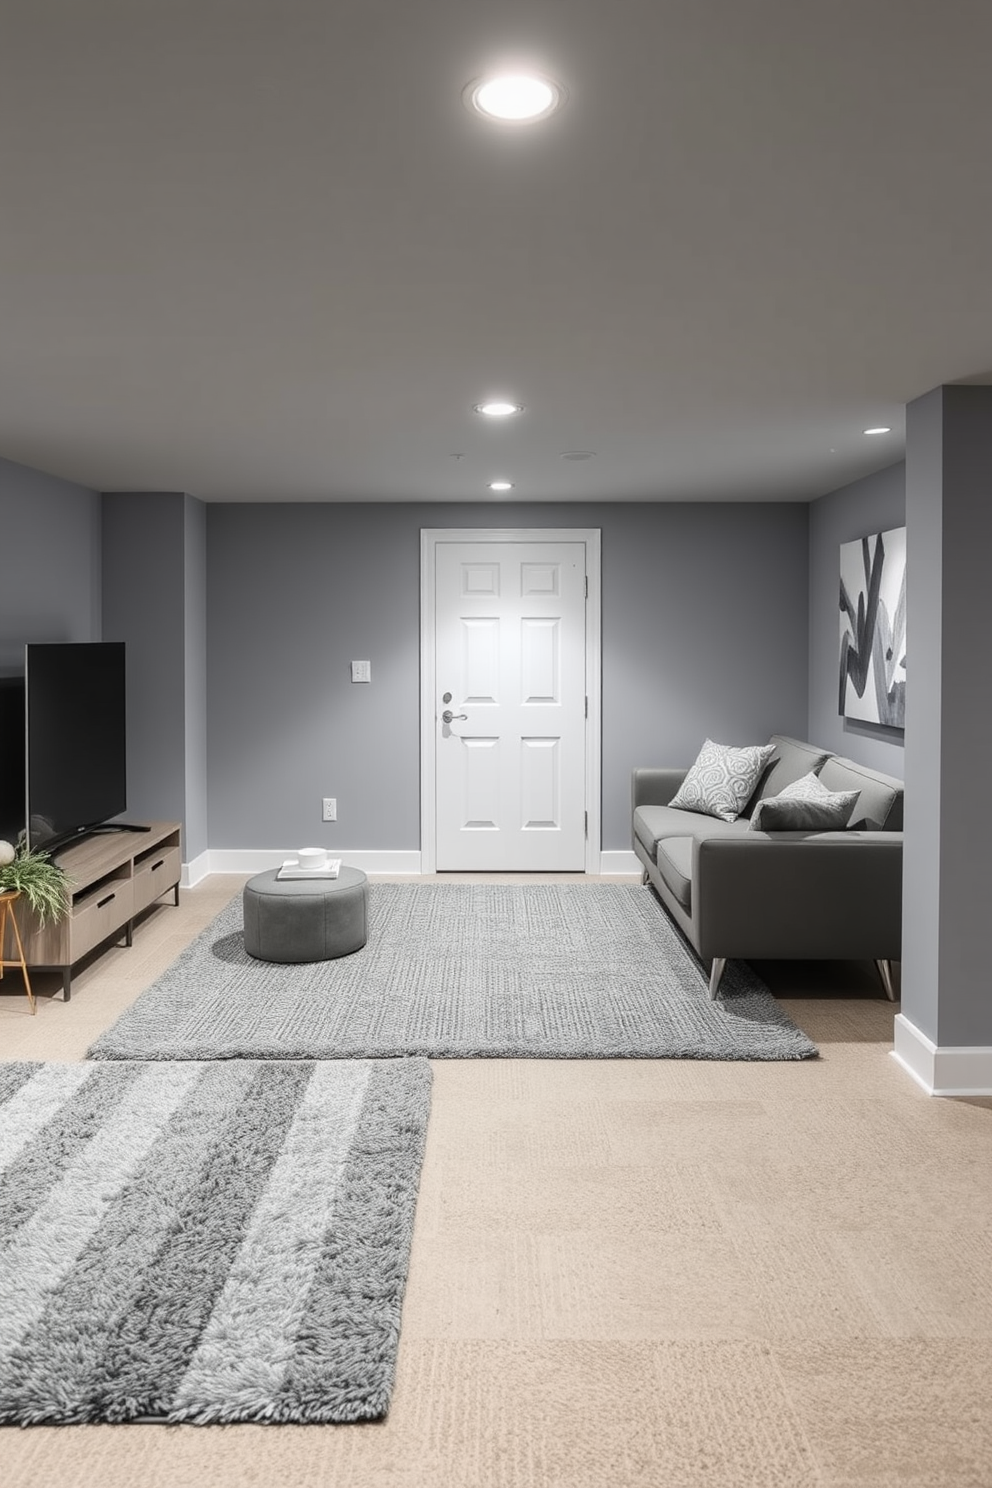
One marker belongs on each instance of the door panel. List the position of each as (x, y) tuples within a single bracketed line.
[(540, 642), (540, 784), (479, 579), (480, 647), (479, 763), (510, 648)]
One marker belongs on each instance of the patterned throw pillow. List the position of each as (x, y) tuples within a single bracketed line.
[(722, 779), (804, 806)]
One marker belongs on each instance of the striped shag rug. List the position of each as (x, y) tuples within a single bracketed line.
[(460, 971), (205, 1242)]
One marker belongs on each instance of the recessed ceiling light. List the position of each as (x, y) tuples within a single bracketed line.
[(501, 485), (579, 455), (882, 429), (498, 408), (515, 97)]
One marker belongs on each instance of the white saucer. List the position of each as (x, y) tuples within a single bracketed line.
[(292, 869)]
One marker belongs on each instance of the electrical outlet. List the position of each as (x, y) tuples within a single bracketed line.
[(361, 671), (330, 809)]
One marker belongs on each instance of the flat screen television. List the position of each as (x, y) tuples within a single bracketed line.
[(12, 810), (76, 742)]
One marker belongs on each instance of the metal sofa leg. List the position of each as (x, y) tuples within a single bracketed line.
[(716, 972), (884, 969), (645, 877)]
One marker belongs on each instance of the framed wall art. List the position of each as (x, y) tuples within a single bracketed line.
[(873, 628)]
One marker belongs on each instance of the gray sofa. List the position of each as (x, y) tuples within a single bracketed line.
[(747, 894)]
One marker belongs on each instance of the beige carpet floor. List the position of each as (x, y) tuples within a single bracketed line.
[(632, 1274)]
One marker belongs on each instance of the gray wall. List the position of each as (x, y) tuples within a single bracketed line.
[(704, 632), (50, 589), (874, 504)]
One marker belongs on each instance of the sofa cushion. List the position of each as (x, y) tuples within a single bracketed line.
[(804, 806), (880, 804), (653, 824), (675, 867), (791, 761), (722, 780)]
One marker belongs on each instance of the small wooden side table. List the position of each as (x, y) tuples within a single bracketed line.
[(7, 917)]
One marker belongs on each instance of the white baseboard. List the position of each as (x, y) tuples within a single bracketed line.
[(942, 1071), (196, 870), (256, 860)]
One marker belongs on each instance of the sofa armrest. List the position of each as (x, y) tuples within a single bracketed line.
[(799, 895), (655, 787)]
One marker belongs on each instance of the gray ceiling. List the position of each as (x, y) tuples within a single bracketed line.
[(260, 250)]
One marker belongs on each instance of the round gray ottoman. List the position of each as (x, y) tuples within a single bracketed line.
[(305, 919)]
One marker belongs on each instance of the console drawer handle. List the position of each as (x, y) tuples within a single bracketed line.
[(156, 866), (101, 902)]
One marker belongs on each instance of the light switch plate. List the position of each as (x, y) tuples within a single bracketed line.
[(361, 671)]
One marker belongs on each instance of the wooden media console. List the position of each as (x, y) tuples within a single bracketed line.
[(114, 877)]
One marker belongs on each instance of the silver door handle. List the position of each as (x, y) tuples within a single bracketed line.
[(448, 717)]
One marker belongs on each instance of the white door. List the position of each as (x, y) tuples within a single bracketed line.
[(510, 705)]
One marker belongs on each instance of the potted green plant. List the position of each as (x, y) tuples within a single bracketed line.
[(32, 873)]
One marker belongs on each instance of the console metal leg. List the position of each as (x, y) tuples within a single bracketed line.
[(66, 983), (176, 892), (884, 969), (716, 972)]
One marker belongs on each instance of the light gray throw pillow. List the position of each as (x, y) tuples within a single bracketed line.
[(722, 779)]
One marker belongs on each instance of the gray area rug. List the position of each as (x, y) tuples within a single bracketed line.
[(205, 1242), (455, 971)]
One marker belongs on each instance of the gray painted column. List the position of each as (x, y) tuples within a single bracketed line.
[(947, 906), (50, 539), (195, 698), (154, 599)]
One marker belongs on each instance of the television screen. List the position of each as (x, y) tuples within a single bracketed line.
[(76, 738), (12, 810)]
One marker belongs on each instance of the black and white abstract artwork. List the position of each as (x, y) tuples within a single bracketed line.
[(873, 628)]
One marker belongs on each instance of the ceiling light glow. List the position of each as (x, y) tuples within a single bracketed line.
[(501, 485), (514, 97), (498, 408), (882, 429)]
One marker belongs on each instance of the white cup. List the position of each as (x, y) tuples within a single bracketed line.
[(312, 857)]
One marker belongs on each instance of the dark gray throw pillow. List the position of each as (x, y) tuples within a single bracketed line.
[(785, 814)]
